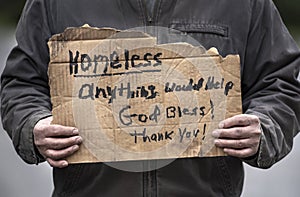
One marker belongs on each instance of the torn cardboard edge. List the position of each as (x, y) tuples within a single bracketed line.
[(93, 34)]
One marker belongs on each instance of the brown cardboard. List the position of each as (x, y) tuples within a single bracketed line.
[(178, 95)]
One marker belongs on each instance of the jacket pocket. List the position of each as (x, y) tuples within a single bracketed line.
[(202, 28), (204, 34)]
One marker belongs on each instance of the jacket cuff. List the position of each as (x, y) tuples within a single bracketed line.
[(262, 158), (27, 148)]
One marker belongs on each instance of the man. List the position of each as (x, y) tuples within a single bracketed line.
[(260, 137)]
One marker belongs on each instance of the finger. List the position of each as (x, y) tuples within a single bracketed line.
[(57, 164), (235, 144), (61, 143), (243, 153), (60, 154), (239, 120), (60, 131), (233, 133)]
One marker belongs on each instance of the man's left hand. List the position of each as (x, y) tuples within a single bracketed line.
[(239, 136)]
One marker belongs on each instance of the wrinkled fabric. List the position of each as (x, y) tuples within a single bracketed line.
[(251, 28)]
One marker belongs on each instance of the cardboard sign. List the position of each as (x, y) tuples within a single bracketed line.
[(133, 99)]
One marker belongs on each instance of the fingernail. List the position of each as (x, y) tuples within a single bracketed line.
[(75, 147), (75, 131), (216, 142), (221, 125), (215, 134), (79, 140), (64, 164)]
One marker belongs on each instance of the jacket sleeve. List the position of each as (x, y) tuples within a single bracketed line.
[(24, 81), (270, 86)]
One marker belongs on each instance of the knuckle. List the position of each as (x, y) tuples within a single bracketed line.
[(239, 144), (41, 129), (242, 121), (55, 145), (43, 143), (255, 120), (38, 128), (256, 133), (38, 143), (55, 131), (68, 151), (219, 142), (239, 132), (50, 154)]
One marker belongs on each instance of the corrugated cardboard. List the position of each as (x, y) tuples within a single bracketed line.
[(133, 99)]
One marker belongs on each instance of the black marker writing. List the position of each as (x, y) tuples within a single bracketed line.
[(88, 63), (155, 137)]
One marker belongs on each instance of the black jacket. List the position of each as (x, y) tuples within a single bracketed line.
[(251, 28)]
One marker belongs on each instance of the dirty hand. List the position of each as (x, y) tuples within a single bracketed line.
[(56, 142), (239, 136)]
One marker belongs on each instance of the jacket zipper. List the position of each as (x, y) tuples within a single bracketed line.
[(149, 177), (150, 18)]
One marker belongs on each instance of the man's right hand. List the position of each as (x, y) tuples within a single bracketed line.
[(56, 142)]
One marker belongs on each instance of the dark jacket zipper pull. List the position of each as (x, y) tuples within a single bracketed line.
[(149, 19)]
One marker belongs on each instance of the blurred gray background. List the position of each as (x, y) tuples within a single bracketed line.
[(18, 179)]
